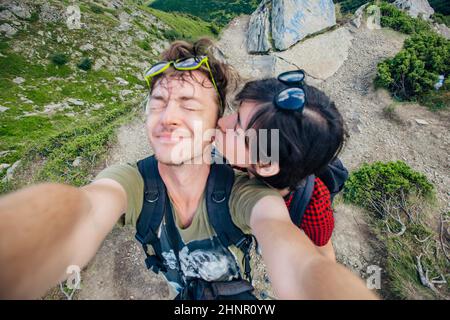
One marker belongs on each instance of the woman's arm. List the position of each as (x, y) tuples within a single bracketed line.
[(296, 268)]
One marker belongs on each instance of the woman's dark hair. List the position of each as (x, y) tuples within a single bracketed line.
[(224, 75), (308, 140)]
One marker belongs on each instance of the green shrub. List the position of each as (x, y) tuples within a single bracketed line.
[(59, 59), (144, 45), (378, 182), (85, 64), (95, 8), (394, 18), (413, 72), (215, 29)]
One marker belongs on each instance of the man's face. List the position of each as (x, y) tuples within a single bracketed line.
[(179, 112)]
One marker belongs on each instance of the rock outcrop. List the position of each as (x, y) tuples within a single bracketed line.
[(415, 8), (292, 21), (259, 29)]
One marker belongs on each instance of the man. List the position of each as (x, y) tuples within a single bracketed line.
[(48, 227)]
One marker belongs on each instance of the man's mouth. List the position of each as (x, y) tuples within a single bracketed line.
[(169, 137)]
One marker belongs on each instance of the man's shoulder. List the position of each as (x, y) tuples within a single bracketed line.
[(245, 194), (130, 179)]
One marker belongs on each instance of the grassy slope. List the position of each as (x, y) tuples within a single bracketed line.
[(184, 25), (217, 11), (55, 140)]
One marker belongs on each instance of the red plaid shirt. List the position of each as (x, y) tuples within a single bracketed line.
[(318, 220)]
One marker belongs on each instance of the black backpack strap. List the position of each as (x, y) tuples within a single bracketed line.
[(152, 212), (300, 200), (218, 190), (334, 177)]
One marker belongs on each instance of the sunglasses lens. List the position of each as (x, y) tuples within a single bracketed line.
[(187, 63), (292, 76), (157, 67), (291, 99)]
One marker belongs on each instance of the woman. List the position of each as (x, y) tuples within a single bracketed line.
[(311, 134)]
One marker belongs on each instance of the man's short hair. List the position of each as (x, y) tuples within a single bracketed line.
[(224, 74)]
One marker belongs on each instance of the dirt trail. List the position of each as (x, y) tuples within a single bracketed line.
[(118, 269)]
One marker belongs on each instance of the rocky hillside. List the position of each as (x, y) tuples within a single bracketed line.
[(69, 75), (71, 86)]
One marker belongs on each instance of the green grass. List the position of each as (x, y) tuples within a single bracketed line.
[(186, 26), (55, 140), (216, 11)]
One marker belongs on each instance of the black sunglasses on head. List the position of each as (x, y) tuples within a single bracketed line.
[(293, 98)]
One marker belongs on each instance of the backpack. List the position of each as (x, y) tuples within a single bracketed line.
[(155, 206), (334, 177)]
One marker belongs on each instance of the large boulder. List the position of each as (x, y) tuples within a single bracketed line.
[(415, 8), (259, 29), (293, 20)]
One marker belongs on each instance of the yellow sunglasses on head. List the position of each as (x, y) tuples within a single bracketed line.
[(187, 64)]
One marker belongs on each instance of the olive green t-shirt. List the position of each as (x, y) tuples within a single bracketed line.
[(203, 256)]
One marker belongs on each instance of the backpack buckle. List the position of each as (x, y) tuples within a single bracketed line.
[(219, 197), (152, 196)]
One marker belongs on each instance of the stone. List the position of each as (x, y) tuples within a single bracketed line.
[(139, 87), (374, 18), (99, 63), (125, 93), (259, 29), (3, 109), (125, 25), (75, 102), (326, 54), (20, 10), (6, 15), (87, 47), (443, 30), (18, 80), (4, 166), (359, 13), (73, 20), (76, 162), (50, 14), (53, 107), (293, 20), (122, 82), (5, 153), (415, 8), (10, 172), (41, 33), (8, 30), (421, 122)]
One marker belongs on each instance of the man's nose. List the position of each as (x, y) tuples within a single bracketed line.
[(171, 115), (227, 122)]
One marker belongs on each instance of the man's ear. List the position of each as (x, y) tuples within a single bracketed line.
[(267, 170)]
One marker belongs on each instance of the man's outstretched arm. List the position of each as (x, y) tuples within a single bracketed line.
[(48, 227), (296, 268)]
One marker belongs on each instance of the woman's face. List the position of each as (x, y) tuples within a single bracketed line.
[(231, 136)]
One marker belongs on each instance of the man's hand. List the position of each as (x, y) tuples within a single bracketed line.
[(48, 227), (296, 268)]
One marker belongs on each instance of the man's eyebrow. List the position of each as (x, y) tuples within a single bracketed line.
[(157, 97), (184, 98)]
